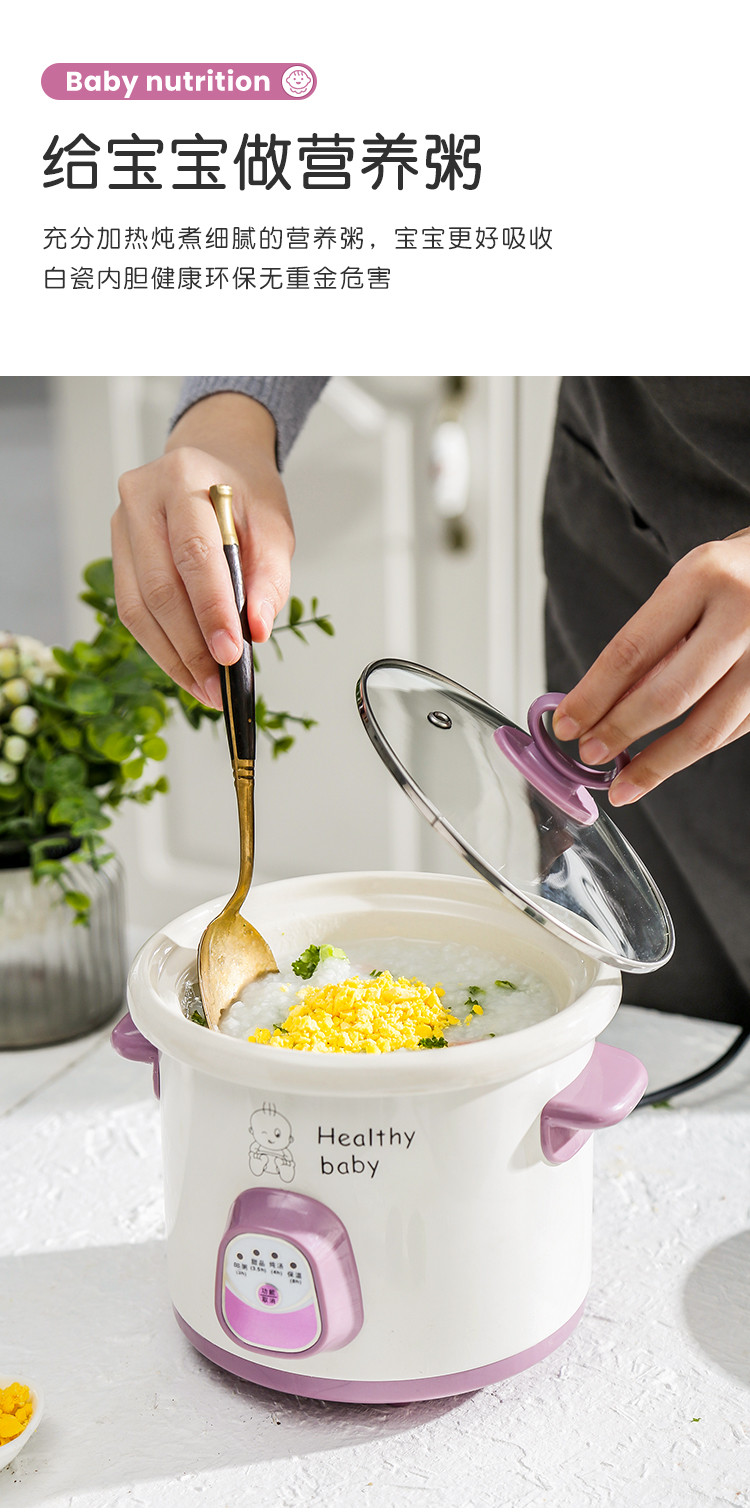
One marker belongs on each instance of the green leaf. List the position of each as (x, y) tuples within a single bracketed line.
[(323, 623), (78, 900), (119, 747), (108, 737), (509, 986), (44, 868), (154, 748), (78, 809), (95, 601), (146, 720), (65, 659), (69, 736), (132, 770), (46, 700), (87, 656), (111, 640), (89, 696), (296, 610), (434, 1042), (100, 577), (284, 743), (67, 771)]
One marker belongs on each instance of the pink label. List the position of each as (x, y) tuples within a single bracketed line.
[(178, 81)]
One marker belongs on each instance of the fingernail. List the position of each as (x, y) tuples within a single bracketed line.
[(564, 727), (624, 792), (224, 648), (212, 691), (266, 613), (593, 752)]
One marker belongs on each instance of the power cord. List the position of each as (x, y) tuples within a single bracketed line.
[(662, 1094)]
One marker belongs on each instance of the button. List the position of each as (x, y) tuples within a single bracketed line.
[(268, 1295)]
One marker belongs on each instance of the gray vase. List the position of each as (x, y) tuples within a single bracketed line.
[(59, 979)]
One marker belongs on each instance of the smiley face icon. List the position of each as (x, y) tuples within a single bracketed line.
[(297, 81)]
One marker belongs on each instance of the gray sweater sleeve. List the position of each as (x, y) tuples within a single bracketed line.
[(288, 400)]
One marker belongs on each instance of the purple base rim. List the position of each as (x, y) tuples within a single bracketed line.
[(424, 1389)]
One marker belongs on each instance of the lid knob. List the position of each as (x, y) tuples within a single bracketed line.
[(546, 767)]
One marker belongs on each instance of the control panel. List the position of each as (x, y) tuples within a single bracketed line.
[(286, 1277), (268, 1294)]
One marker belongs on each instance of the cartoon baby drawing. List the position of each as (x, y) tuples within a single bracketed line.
[(272, 1136)]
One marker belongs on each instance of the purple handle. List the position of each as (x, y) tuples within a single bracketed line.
[(567, 766), (560, 778), (132, 1045), (604, 1093)]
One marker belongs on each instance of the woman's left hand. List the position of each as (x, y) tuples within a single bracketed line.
[(686, 649)]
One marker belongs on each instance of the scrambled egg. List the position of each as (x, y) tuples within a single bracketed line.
[(375, 1017), (15, 1411)]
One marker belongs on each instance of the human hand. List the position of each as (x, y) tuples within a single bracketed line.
[(172, 584), (687, 648)]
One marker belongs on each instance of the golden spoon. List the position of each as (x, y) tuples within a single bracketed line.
[(231, 953)]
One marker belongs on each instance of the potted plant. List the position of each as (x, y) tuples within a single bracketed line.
[(78, 731)]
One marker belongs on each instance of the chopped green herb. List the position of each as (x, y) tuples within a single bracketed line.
[(695, 1420), (472, 991), (665, 1103), (434, 1042), (376, 973), (509, 986), (492, 1036), (305, 964), (327, 951), (198, 1017), (472, 1004), (281, 1029)]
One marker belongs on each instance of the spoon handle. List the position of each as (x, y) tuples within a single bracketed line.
[(238, 681)]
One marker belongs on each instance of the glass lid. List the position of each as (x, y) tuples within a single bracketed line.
[(518, 810)]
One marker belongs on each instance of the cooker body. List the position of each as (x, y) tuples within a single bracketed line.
[(468, 1253), (380, 1228)]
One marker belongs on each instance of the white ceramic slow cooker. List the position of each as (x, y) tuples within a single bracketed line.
[(397, 1227)]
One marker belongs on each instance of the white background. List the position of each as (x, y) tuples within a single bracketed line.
[(624, 128)]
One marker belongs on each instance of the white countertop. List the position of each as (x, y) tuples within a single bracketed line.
[(648, 1404)]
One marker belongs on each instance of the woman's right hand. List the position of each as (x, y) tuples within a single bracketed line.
[(172, 584)]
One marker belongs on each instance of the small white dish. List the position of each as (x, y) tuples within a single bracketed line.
[(9, 1451)]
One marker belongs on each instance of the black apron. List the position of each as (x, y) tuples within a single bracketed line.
[(642, 470)]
